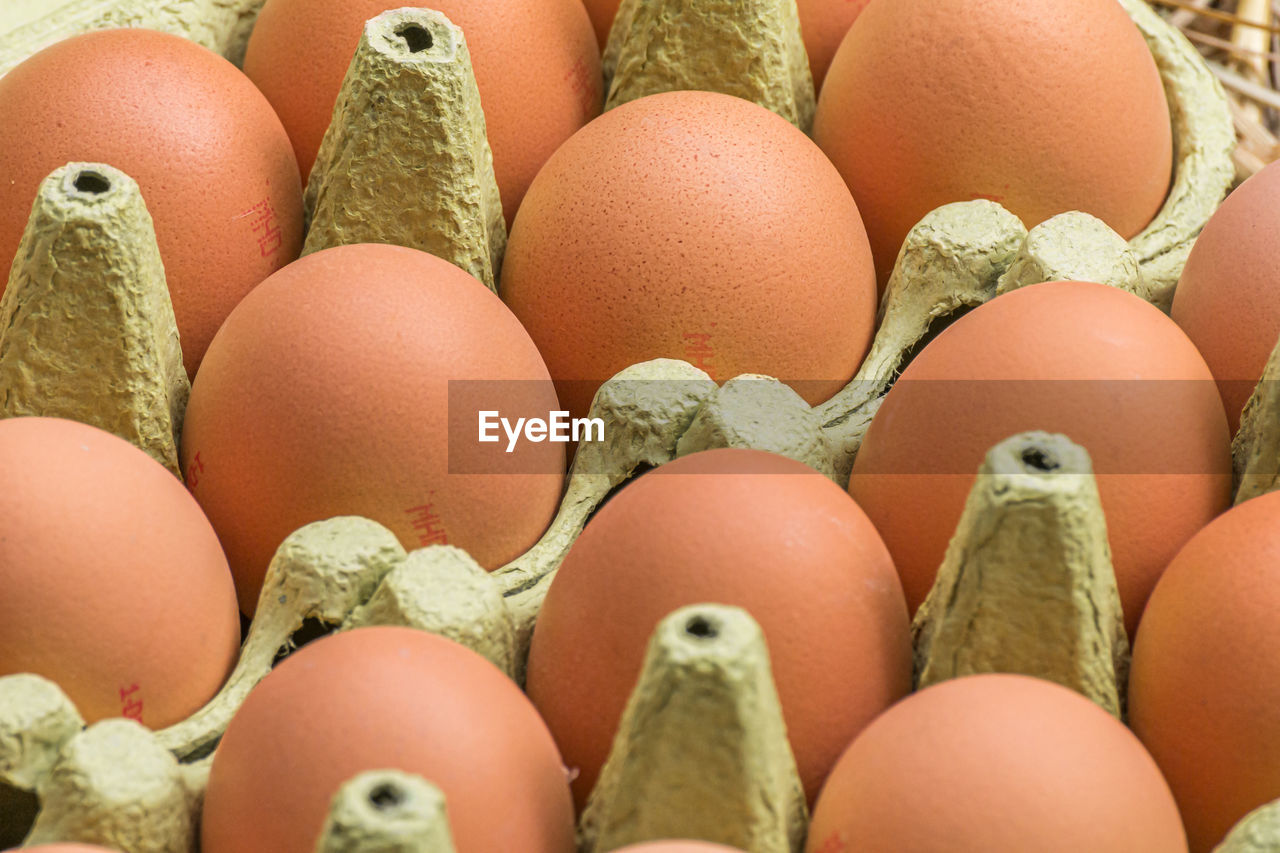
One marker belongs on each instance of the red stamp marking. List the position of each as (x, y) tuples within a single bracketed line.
[(698, 350), (131, 704), (194, 470), (428, 525), (835, 843), (584, 84), (266, 225)]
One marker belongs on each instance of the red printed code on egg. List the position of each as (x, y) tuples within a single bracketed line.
[(131, 702)]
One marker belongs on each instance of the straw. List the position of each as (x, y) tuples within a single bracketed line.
[(1240, 40)]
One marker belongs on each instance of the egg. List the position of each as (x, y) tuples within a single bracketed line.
[(349, 383), (115, 587), (386, 698), (536, 64), (696, 226), (1225, 300), (1044, 106), (1101, 366), (738, 527), (1204, 690), (996, 762), (214, 164), (823, 24)]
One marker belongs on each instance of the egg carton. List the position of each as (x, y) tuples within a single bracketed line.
[(115, 782), (223, 26), (704, 705)]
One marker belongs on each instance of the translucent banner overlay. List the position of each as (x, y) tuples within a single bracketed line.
[(926, 428)]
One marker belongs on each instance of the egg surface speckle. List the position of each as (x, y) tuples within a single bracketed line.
[(386, 698), (738, 527), (214, 165), (342, 386), (1101, 366), (996, 762), (1226, 299), (1044, 106), (115, 587), (696, 226), (1204, 690), (536, 65)]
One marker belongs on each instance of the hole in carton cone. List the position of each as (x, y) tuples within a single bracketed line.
[(18, 810), (701, 628), (312, 629), (386, 796), (416, 37), (1039, 460), (92, 182)]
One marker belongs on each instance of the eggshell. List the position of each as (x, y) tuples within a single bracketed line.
[(602, 13), (996, 762), (392, 698), (1045, 106), (1225, 300), (1204, 691), (213, 162), (738, 527), (536, 64), (328, 392), (697, 226), (115, 587), (823, 24), (1099, 365)]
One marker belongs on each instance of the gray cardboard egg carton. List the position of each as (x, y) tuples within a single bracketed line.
[(119, 784)]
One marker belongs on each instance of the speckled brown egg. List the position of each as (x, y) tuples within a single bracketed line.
[(1225, 300), (114, 585), (696, 226), (536, 64), (996, 763), (1204, 691), (379, 698), (739, 527), (1045, 106), (1101, 366), (214, 164), (349, 383)]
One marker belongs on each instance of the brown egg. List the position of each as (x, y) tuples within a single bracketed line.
[(1204, 691), (996, 762), (1225, 301), (738, 527), (823, 24), (379, 698), (1099, 365), (1045, 106), (330, 391), (696, 226), (536, 64), (215, 167), (115, 587)]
